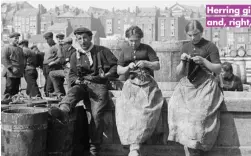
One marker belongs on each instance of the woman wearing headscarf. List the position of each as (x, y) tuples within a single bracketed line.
[(138, 109), (193, 109)]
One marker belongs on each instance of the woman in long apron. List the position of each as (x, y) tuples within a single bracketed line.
[(193, 109), (138, 109)]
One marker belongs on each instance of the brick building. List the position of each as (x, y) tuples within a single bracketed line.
[(47, 20), (116, 23), (27, 22), (147, 20), (64, 28), (171, 28)]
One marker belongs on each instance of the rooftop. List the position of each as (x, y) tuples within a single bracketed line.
[(58, 26), (26, 12)]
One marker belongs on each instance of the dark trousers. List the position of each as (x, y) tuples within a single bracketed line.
[(95, 98), (12, 85), (31, 76), (48, 86), (193, 152), (57, 79), (81, 133)]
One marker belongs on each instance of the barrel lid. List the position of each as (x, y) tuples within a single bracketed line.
[(3, 107), (40, 101), (241, 52)]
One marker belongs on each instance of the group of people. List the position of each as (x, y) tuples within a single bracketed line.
[(20, 60), (193, 109)]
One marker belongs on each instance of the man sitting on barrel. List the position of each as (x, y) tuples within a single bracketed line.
[(90, 68)]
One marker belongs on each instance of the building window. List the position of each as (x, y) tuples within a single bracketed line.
[(172, 23), (119, 21), (109, 26), (27, 20), (172, 33), (241, 39), (23, 20), (119, 28), (162, 28)]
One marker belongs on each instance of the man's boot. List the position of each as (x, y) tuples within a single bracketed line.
[(61, 113), (94, 149)]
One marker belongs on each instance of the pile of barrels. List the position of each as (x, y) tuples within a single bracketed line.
[(31, 131)]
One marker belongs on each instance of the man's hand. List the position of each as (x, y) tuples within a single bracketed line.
[(67, 59), (77, 81), (51, 63), (68, 65), (14, 70)]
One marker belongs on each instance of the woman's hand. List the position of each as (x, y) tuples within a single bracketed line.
[(184, 56), (132, 65), (198, 60), (141, 64)]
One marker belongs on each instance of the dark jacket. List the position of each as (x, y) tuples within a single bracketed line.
[(13, 56), (31, 58), (103, 59), (66, 54), (53, 54), (231, 84)]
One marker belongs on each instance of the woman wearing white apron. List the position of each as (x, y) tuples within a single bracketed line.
[(138, 109), (193, 109)]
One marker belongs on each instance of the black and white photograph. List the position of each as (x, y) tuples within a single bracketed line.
[(125, 78)]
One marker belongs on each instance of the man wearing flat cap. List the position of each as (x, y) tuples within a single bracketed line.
[(14, 61), (51, 62), (40, 56), (90, 68), (30, 72), (67, 51)]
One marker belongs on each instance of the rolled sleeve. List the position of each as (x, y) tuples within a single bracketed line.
[(214, 54), (152, 55), (121, 60)]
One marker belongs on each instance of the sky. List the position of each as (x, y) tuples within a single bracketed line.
[(124, 4)]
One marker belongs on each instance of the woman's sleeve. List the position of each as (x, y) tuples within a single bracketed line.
[(214, 53), (121, 60), (152, 55)]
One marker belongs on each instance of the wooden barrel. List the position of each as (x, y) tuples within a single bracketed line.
[(24, 132), (248, 69), (4, 107), (233, 53), (60, 137)]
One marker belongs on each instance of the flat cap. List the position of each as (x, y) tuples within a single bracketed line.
[(48, 35), (60, 35), (83, 30), (23, 42), (14, 34), (67, 40)]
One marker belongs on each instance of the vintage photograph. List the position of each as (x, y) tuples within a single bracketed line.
[(125, 78)]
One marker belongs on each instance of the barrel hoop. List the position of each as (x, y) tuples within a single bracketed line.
[(24, 127)]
